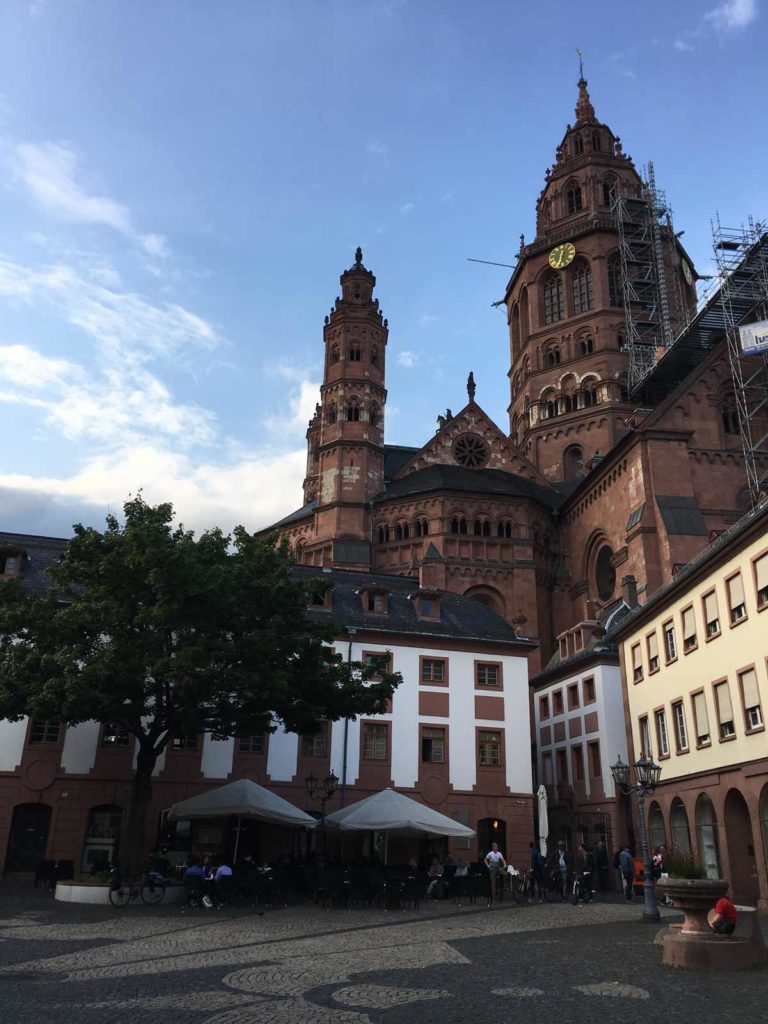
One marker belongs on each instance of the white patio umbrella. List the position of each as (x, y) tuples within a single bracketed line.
[(541, 795), (245, 799), (390, 811)]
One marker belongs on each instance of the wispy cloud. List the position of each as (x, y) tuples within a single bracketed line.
[(407, 208), (426, 319), (732, 15), (619, 61), (407, 359), (292, 423), (376, 148), (50, 171), (683, 46)]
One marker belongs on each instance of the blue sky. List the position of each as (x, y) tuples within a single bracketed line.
[(181, 184)]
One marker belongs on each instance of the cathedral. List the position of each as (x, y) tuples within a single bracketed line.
[(593, 484)]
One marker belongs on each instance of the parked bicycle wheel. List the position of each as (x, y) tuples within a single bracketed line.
[(120, 896), (152, 892)]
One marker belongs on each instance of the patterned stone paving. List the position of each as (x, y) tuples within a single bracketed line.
[(65, 964)]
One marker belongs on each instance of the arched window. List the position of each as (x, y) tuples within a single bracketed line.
[(353, 410), (455, 525), (514, 331), (573, 462), (621, 342), (590, 394), (551, 407), (615, 296), (729, 415), (656, 829), (605, 574), (567, 403), (578, 145), (398, 531), (623, 390), (355, 353), (553, 356), (610, 186), (596, 142), (678, 825), (573, 199), (331, 413), (334, 354), (424, 527), (406, 531), (554, 307), (375, 356), (581, 284), (462, 525), (375, 414), (504, 529), (586, 345), (706, 831), (380, 534)]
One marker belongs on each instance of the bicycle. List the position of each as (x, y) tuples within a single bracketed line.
[(524, 888), (582, 888), (554, 885), (150, 887)]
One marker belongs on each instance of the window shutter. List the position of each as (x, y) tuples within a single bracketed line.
[(761, 572), (724, 709), (689, 625), (653, 646), (637, 660), (701, 715), (749, 687), (735, 591), (710, 606)]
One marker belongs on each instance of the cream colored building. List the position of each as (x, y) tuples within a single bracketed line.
[(695, 664)]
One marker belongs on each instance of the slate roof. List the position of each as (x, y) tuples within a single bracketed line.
[(38, 554), (480, 481), (460, 617), (294, 517), (599, 647), (395, 457)]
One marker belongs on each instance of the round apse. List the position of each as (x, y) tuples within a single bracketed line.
[(605, 574), (471, 451)]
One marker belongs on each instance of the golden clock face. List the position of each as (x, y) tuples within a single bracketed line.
[(562, 255), (687, 273)]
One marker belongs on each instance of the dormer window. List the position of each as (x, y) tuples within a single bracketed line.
[(10, 563), (321, 596), (427, 604), (374, 600)]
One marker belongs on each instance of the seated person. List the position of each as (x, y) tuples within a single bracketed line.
[(222, 871), (435, 887), (722, 920), (207, 867), (462, 871), (195, 870)]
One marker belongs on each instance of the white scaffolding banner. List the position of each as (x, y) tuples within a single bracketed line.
[(754, 338)]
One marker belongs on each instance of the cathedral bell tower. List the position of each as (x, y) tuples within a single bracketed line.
[(345, 438), (565, 304)]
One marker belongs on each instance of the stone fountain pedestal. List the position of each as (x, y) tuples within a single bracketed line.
[(694, 944)]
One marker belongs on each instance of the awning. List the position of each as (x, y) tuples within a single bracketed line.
[(243, 799), (390, 811)]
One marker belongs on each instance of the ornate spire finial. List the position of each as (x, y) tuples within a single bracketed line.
[(471, 387), (584, 109), (358, 256), (581, 64)]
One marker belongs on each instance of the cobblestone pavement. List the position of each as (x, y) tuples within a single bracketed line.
[(68, 964)]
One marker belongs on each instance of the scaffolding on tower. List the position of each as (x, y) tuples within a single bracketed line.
[(742, 264), (645, 229)]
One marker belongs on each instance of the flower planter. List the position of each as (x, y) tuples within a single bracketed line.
[(695, 897), (88, 892)]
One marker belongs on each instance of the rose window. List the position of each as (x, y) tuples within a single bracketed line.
[(471, 451)]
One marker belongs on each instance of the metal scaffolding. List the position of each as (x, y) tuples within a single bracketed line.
[(742, 263), (645, 229)]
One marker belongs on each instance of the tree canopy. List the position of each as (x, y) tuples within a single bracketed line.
[(167, 634)]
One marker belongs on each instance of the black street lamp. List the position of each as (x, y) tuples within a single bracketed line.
[(330, 782), (647, 774)]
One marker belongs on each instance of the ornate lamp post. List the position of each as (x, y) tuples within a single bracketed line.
[(330, 782), (647, 775)]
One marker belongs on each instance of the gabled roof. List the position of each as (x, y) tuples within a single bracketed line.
[(305, 512), (38, 555), (461, 618)]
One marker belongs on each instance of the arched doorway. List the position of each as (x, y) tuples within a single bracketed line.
[(706, 831), (656, 828), (491, 830), (741, 848), (678, 824), (29, 837)]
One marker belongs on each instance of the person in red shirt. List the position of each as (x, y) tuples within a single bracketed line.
[(723, 919)]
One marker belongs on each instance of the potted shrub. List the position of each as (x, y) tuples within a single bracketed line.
[(690, 890)]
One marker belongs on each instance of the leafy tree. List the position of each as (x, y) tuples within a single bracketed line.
[(148, 627)]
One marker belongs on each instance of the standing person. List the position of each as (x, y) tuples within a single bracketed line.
[(537, 871), (601, 865), (562, 863), (627, 868), (583, 869), (497, 866)]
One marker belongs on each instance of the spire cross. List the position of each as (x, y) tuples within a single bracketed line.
[(581, 63)]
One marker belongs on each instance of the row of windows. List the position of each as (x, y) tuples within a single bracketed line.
[(710, 617), (402, 530), (351, 412), (556, 771), (480, 527), (354, 354), (573, 696), (553, 353), (724, 718), (554, 293)]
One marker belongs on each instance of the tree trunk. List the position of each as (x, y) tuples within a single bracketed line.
[(132, 851)]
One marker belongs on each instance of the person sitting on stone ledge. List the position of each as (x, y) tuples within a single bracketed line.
[(722, 920)]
